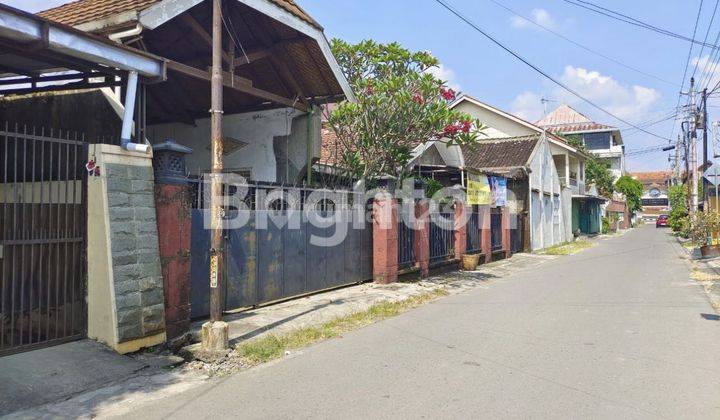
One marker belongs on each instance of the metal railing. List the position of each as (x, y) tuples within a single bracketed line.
[(474, 236), (442, 237)]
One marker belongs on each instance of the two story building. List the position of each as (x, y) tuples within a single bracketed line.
[(602, 140)]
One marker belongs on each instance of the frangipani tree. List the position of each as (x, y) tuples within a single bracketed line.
[(400, 105)]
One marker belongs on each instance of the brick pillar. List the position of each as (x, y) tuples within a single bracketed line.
[(486, 240), (506, 231), (460, 227), (421, 237), (385, 240), (174, 225)]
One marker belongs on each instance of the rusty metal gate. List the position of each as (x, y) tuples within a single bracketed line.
[(280, 259), (42, 238)]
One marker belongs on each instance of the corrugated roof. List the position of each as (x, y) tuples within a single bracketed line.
[(565, 119), (82, 11), (502, 153)]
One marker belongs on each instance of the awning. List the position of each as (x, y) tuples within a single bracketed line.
[(36, 51)]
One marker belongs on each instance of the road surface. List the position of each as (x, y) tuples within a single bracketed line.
[(615, 331)]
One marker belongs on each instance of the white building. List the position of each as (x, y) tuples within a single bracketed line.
[(602, 140)]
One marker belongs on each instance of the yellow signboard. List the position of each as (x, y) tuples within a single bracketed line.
[(478, 190)]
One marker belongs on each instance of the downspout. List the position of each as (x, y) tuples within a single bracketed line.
[(118, 37), (130, 99)]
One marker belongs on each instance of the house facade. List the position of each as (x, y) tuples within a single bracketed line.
[(602, 140), (655, 200), (582, 208)]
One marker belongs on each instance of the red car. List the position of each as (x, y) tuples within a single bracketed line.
[(662, 221)]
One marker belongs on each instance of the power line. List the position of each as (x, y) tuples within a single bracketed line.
[(712, 19), (586, 48), (632, 21), (687, 63), (537, 69)]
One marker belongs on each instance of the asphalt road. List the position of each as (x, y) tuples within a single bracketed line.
[(615, 331)]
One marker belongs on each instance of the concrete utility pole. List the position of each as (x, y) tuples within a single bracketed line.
[(693, 150), (705, 142), (215, 332)]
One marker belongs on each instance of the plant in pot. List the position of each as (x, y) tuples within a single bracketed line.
[(704, 227)]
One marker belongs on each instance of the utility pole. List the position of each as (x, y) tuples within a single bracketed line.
[(705, 143), (693, 150), (215, 332)]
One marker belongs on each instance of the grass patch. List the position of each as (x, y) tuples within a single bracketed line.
[(567, 248), (274, 346)]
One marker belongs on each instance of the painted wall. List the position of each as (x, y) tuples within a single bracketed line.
[(548, 210), (498, 125), (275, 143)]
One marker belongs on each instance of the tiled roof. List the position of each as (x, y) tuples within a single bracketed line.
[(656, 177), (82, 11), (500, 153), (565, 119)]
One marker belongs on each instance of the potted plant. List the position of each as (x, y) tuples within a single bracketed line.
[(470, 262), (705, 227)]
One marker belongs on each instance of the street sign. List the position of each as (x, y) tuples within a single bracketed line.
[(712, 174)]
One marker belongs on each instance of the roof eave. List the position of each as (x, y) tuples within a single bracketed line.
[(159, 13)]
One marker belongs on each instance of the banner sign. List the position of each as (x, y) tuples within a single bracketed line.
[(478, 190), (498, 185)]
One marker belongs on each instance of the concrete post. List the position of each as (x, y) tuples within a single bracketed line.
[(485, 235), (421, 238), (506, 232), (385, 240), (460, 227)]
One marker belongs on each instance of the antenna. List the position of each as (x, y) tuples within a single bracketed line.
[(544, 102)]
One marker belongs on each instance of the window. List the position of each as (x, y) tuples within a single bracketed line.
[(597, 141)]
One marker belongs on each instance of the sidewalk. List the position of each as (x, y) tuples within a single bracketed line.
[(140, 383)]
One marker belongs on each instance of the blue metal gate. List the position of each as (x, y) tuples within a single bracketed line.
[(474, 237), (496, 229), (280, 261)]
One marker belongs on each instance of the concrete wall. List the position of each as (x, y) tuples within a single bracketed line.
[(498, 125), (270, 137)]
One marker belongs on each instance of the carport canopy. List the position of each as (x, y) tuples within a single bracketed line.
[(38, 55)]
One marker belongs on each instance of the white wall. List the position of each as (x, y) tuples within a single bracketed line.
[(497, 125), (257, 129), (549, 211)]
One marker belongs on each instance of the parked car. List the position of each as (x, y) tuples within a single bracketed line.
[(662, 221)]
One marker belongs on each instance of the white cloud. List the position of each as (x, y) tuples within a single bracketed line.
[(540, 16), (528, 106), (447, 75), (633, 103), (34, 6)]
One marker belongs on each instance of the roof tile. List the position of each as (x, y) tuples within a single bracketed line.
[(500, 153), (82, 11)]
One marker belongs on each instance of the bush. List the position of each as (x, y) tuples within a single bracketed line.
[(605, 225)]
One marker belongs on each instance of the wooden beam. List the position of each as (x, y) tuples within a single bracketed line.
[(236, 83), (260, 53), (196, 27)]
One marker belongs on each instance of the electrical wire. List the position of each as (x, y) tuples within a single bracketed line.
[(586, 48), (444, 4), (712, 19), (627, 19), (687, 63), (232, 32)]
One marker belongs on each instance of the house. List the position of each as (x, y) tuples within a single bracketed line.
[(655, 199), (602, 140), (581, 214), (135, 74), (46, 204), (278, 69)]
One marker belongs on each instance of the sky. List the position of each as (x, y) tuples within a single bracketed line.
[(474, 65)]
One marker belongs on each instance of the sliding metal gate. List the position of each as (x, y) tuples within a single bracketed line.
[(42, 238), (279, 260)]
